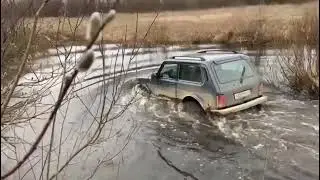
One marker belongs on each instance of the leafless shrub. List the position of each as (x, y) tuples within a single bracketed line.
[(15, 33), (299, 64), (299, 68), (296, 69)]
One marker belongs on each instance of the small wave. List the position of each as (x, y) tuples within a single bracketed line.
[(315, 127), (232, 131), (258, 146), (156, 111), (313, 152), (282, 112)]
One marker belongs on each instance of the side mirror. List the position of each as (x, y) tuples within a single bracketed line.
[(154, 76)]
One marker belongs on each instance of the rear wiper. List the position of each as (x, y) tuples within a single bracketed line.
[(242, 74)]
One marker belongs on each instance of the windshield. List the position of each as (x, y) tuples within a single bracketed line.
[(232, 71)]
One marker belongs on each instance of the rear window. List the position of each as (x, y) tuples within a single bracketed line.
[(231, 71)]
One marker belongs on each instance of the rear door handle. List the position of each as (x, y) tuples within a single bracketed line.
[(167, 82)]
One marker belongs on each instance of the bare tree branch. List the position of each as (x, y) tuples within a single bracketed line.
[(24, 59)]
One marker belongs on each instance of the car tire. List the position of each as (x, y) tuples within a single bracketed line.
[(193, 108)]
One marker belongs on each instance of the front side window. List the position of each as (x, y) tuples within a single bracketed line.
[(232, 71), (190, 72), (169, 71)]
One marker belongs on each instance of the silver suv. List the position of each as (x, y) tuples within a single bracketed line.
[(221, 82)]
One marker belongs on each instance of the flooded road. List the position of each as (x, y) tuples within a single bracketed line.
[(154, 139)]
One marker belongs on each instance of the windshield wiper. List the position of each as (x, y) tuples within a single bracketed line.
[(242, 74)]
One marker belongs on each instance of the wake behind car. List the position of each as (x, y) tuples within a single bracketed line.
[(221, 82)]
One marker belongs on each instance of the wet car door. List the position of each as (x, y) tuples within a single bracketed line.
[(193, 81), (166, 83)]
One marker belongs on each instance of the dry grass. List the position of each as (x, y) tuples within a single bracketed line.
[(251, 25)]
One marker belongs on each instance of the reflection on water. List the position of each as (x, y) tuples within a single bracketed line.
[(279, 142)]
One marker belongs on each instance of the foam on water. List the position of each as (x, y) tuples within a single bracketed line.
[(314, 127)]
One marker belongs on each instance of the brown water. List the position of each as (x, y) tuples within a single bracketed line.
[(279, 142)]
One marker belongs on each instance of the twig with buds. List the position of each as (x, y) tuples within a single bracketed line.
[(93, 28)]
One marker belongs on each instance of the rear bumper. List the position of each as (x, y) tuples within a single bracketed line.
[(241, 107)]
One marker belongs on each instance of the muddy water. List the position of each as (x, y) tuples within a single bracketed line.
[(154, 139)]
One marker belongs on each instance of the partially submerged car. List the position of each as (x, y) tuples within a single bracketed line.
[(221, 82)]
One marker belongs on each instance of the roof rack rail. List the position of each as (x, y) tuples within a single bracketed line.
[(187, 58), (217, 50)]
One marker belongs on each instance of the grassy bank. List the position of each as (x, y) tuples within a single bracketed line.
[(272, 25)]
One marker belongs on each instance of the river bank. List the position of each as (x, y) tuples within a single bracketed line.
[(272, 25)]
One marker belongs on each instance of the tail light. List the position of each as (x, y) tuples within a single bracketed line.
[(260, 89), (221, 101)]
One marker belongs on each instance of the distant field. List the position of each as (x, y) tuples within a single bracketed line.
[(250, 24)]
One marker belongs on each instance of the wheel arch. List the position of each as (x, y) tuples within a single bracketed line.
[(195, 99)]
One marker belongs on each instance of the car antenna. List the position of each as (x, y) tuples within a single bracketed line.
[(242, 74)]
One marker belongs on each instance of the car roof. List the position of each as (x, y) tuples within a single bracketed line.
[(204, 58)]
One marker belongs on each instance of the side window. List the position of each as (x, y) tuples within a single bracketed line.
[(169, 71), (190, 72)]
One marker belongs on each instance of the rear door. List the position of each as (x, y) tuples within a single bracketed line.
[(193, 81), (238, 81)]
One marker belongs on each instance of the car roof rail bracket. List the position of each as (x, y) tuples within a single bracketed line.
[(217, 50), (187, 58)]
